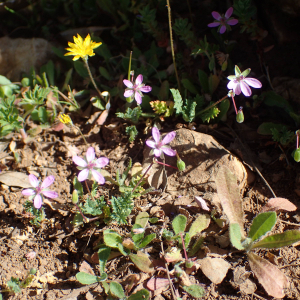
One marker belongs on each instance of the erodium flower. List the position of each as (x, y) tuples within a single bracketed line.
[(90, 166), (82, 48), (137, 89), (223, 21), (159, 145), (239, 83), (39, 191)]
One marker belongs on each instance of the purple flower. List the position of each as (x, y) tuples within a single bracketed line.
[(90, 166), (159, 146), (239, 83), (223, 21), (39, 191), (137, 88)]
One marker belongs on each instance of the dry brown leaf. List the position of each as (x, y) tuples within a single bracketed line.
[(12, 178), (156, 283), (275, 204), (215, 269), (268, 275), (86, 268)]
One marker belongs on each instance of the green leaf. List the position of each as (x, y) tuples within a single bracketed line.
[(189, 86), (223, 107), (273, 99), (235, 236), (148, 239), (201, 223), (265, 128), (86, 278), (213, 82), (142, 261), (142, 219), (116, 289), (178, 103), (196, 246), (179, 224), (189, 110), (195, 290), (111, 238), (279, 240), (81, 69), (262, 224), (78, 186), (103, 254), (104, 73), (14, 285), (203, 78), (142, 294)]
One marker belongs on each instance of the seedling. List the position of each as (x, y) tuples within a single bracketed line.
[(270, 277)]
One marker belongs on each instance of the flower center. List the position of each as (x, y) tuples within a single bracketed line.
[(91, 165)]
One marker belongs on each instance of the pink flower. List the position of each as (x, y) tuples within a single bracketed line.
[(39, 191), (239, 83), (90, 166), (159, 146), (137, 88), (223, 21)]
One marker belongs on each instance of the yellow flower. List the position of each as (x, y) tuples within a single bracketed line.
[(65, 119), (82, 48)]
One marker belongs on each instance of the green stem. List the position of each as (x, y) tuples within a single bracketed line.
[(148, 115), (92, 79), (81, 135), (205, 109), (171, 43)]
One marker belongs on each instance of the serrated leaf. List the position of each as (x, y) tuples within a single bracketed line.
[(262, 223), (86, 278), (235, 236), (179, 224), (229, 195), (178, 102), (142, 294), (195, 290), (116, 289), (142, 261), (103, 254), (268, 275), (201, 223), (279, 240)]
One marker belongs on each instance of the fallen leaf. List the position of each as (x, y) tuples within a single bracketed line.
[(142, 261), (12, 178), (275, 204), (268, 275), (156, 283), (86, 268), (215, 269)]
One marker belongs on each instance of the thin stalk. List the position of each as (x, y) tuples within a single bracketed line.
[(233, 101), (171, 43), (84, 217), (161, 163), (207, 108), (183, 245), (81, 135), (297, 143), (92, 79), (87, 187)]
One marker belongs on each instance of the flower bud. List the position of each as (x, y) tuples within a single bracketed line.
[(180, 165), (297, 155), (189, 263), (75, 197), (32, 271), (240, 116)]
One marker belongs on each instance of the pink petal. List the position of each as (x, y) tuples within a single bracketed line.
[(156, 134), (214, 24), (102, 162), (38, 201), (139, 79), (245, 89), (232, 22), (128, 93), (151, 144), (90, 154), (231, 85), (128, 83), (157, 152), (50, 194), (138, 97), (98, 177), (253, 82), (28, 192), (79, 161), (229, 12), (168, 151), (168, 138), (216, 15), (33, 181), (146, 89), (237, 89), (223, 29), (47, 181), (83, 175), (202, 203)]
